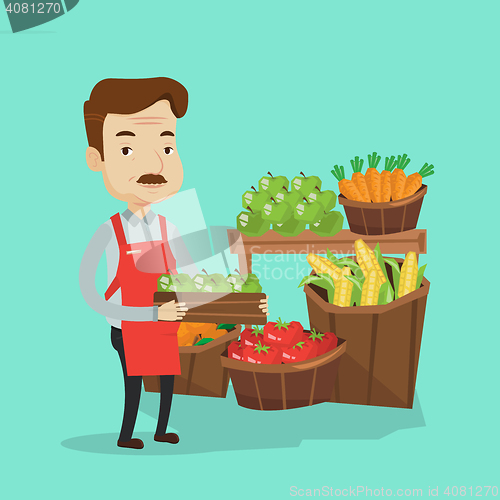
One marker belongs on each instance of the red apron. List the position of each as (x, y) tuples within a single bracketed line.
[(151, 347)]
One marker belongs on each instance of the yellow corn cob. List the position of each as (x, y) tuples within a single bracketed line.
[(343, 289), (367, 260), (409, 271), (323, 265), (370, 290)]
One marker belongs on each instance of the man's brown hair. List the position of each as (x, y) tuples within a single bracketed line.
[(128, 96)]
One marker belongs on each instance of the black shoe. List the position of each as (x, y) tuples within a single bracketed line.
[(137, 444), (170, 437)]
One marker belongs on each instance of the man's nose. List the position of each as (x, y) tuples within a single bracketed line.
[(155, 163)]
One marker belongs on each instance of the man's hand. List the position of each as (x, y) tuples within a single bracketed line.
[(172, 311), (264, 305)]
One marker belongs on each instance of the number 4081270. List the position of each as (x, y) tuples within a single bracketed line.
[(33, 8)]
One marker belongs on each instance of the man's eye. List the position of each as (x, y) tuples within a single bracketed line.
[(126, 151), (168, 150)]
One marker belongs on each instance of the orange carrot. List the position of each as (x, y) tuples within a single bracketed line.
[(359, 179), (372, 177), (346, 186), (414, 181), (398, 177), (385, 178)]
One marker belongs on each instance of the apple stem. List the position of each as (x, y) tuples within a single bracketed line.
[(303, 175), (254, 189), (316, 187), (270, 174), (306, 200), (203, 270), (250, 209), (273, 199), (284, 187), (213, 280), (238, 272)]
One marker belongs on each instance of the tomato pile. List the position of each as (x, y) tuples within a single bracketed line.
[(280, 342)]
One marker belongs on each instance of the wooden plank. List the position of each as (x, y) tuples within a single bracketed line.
[(228, 317), (342, 243)]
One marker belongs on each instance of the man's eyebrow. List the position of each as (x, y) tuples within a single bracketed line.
[(167, 132), (125, 132)]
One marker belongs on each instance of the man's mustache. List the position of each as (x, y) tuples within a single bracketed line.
[(151, 179)]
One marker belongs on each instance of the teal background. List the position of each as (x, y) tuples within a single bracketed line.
[(286, 86)]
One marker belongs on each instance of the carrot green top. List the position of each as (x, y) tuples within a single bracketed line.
[(357, 164), (338, 172), (402, 162), (426, 170), (373, 160), (390, 163)]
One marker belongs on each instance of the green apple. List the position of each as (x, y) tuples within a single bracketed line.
[(199, 280), (252, 224), (290, 197), (305, 184), (327, 199), (213, 286), (255, 199), (236, 281), (218, 278), (292, 227), (277, 213), (308, 212), (251, 287), (164, 282), (329, 225), (182, 283), (251, 284), (273, 185)]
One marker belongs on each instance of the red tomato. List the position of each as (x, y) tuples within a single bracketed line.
[(305, 349), (324, 341), (250, 337), (330, 342), (285, 334), (262, 354), (235, 351)]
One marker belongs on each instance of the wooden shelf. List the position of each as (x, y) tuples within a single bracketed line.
[(308, 242)]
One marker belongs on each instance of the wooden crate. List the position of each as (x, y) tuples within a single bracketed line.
[(206, 307)]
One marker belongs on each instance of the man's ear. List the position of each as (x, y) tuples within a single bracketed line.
[(94, 159)]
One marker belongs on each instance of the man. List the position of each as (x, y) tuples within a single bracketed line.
[(131, 130)]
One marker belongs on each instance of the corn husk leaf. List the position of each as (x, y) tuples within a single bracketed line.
[(380, 260), (356, 289), (396, 273), (386, 294), (420, 276), (353, 266), (331, 257), (329, 286), (322, 280), (312, 278)]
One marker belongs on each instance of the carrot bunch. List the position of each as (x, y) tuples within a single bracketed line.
[(391, 184)]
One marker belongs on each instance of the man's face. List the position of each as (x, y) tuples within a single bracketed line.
[(141, 163)]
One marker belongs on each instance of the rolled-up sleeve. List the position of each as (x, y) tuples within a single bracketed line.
[(88, 270)]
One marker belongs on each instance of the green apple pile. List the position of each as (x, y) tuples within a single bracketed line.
[(289, 208), (210, 283)]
